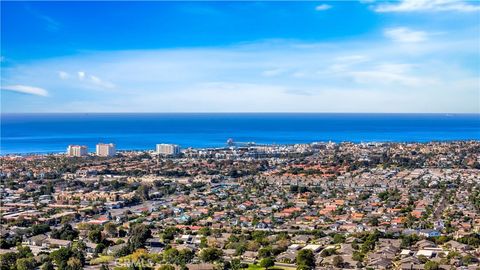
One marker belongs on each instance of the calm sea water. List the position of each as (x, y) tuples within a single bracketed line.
[(44, 133)]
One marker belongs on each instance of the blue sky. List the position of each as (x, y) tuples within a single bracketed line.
[(322, 56)]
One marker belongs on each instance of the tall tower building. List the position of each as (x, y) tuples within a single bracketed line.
[(168, 149), (77, 150), (106, 150)]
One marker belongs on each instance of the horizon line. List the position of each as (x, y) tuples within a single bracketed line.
[(4, 113)]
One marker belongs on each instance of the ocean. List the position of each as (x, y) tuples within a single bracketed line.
[(52, 133)]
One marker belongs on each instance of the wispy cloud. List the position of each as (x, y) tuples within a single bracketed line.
[(427, 5), (349, 76), (273, 72), (86, 79), (63, 75), (392, 74), (51, 24), (404, 34), (97, 81), (323, 7), (81, 75), (25, 89), (346, 62)]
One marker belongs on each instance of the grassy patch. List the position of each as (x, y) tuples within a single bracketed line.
[(254, 267), (101, 260)]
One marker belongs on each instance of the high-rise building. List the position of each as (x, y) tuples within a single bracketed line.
[(168, 149), (77, 150), (106, 150)]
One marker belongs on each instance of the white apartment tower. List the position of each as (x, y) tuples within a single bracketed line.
[(77, 150), (168, 149), (106, 150)]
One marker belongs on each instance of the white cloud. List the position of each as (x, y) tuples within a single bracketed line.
[(352, 58), (81, 75), (273, 72), (97, 81), (25, 89), (345, 62), (395, 67), (395, 74), (403, 34), (87, 80), (299, 74), (350, 76), (383, 77), (63, 75), (428, 5), (323, 7), (50, 23)]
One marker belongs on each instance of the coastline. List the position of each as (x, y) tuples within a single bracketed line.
[(52, 133), (252, 146)]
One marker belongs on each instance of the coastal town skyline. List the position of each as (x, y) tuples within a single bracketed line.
[(325, 56), (306, 206)]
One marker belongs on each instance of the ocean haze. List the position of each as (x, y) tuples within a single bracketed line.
[(52, 133)]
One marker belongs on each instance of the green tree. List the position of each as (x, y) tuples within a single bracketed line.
[(110, 229), (139, 233), (171, 255), (226, 265), (169, 233), (60, 257), (185, 256), (40, 228), (236, 264), (79, 251), (99, 248), (431, 265), (8, 259), (205, 231), (26, 264), (358, 256), (48, 265), (373, 221), (74, 264), (123, 251), (143, 192), (265, 252), (267, 262), (305, 259), (338, 238), (409, 240), (65, 233), (337, 261), (467, 259), (210, 254), (24, 252), (328, 252), (95, 236)]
